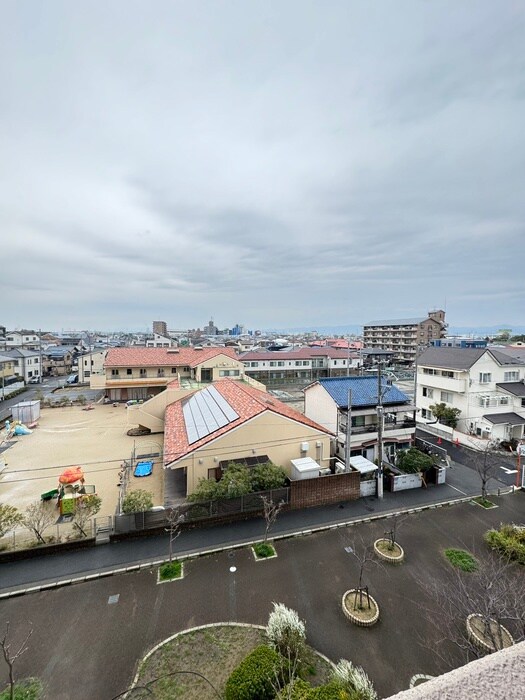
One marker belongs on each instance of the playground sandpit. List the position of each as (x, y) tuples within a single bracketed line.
[(95, 439)]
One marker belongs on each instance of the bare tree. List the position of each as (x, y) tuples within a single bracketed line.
[(486, 462), (85, 509), (37, 518), (493, 593), (11, 657), (9, 518), (391, 534), (270, 512), (364, 553), (175, 522)]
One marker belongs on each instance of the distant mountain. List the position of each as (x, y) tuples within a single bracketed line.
[(322, 330), (485, 330)]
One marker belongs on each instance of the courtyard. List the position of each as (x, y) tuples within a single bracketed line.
[(94, 439), (112, 622)]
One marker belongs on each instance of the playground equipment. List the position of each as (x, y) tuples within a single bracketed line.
[(16, 428), (71, 487)]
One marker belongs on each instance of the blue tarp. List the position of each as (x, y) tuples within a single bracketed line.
[(143, 469)]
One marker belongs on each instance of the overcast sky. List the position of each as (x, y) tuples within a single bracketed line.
[(270, 163)]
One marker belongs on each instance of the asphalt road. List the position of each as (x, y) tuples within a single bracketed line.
[(87, 644), (503, 467)]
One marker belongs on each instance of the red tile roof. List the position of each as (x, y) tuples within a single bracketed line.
[(245, 400), (162, 357)]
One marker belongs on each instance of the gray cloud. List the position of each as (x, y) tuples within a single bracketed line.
[(273, 164)]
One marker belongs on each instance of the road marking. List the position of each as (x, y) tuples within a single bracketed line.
[(113, 599), (509, 471), (455, 489)]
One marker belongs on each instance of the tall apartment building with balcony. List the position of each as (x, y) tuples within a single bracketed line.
[(404, 336)]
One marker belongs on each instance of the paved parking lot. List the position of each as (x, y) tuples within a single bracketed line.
[(86, 647)]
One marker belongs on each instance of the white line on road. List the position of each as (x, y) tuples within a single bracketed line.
[(455, 489)]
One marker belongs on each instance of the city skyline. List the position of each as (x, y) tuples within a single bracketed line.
[(291, 165)]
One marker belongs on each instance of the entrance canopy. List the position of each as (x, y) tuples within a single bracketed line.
[(362, 465)]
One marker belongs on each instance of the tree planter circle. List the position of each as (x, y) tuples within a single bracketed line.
[(393, 556), (365, 617), (500, 637)]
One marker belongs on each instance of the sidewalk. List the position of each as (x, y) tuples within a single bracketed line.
[(104, 559)]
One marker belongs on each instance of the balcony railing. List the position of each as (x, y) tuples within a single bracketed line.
[(372, 427)]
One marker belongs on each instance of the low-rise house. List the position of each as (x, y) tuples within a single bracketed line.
[(484, 384), (26, 363), (160, 341), (134, 373), (326, 403), (22, 339), (90, 363), (57, 361), (231, 420)]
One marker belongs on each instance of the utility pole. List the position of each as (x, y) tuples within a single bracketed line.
[(380, 417), (348, 431), (40, 354)]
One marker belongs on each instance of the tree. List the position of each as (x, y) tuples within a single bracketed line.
[(37, 518), (137, 501), (86, 508), (493, 593), (175, 522), (267, 476), (285, 630), (11, 657), (354, 681), (9, 518), (446, 414), (235, 481), (412, 461), (207, 490), (270, 512), (486, 462)]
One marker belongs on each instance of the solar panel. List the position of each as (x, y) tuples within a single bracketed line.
[(205, 412)]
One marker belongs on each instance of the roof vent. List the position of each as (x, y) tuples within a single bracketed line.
[(173, 350), (198, 347)]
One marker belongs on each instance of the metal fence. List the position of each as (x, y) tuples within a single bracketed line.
[(199, 512), (22, 538)]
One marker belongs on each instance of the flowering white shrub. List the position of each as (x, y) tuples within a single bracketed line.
[(286, 632), (355, 680)]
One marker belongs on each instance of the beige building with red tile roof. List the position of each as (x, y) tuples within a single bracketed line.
[(231, 420), (139, 373)]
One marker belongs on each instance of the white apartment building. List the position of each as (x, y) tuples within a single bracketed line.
[(487, 385), (26, 363), (22, 339)]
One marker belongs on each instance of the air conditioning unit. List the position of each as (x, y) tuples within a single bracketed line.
[(304, 447)]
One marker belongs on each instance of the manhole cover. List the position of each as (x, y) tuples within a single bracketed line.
[(113, 599), (231, 555)]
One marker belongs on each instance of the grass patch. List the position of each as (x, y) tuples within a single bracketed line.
[(28, 689), (214, 652), (461, 559), (263, 550), (484, 502), (509, 540), (170, 570)]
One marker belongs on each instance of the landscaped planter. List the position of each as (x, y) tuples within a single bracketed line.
[(364, 617), (272, 552), (393, 556), (476, 634)]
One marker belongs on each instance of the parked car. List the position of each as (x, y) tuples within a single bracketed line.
[(34, 380), (72, 379)]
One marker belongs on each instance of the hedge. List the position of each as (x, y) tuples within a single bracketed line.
[(509, 540), (254, 677)]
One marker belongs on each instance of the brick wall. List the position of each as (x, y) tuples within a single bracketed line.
[(324, 489)]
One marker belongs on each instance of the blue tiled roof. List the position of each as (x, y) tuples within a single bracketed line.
[(364, 391)]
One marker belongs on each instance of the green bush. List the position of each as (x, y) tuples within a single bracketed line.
[(254, 678), (302, 690), (263, 550), (170, 570), (267, 476), (237, 480), (509, 540), (28, 689), (137, 501), (413, 460), (461, 559)]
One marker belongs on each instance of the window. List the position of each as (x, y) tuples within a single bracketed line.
[(511, 377), (426, 370), (485, 377), (228, 373), (503, 400), (358, 421), (446, 373), (298, 363), (142, 372), (446, 396), (87, 373), (114, 372), (129, 371), (174, 370), (272, 364), (160, 372), (280, 364), (429, 393)]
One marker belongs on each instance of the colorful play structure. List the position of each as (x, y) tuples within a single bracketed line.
[(71, 486)]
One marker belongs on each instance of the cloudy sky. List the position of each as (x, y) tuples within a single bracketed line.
[(277, 163)]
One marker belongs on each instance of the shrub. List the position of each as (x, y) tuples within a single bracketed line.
[(286, 632), (509, 540), (413, 460), (170, 570), (461, 559), (354, 681), (28, 689), (263, 550), (137, 501), (255, 676), (267, 476), (207, 490)]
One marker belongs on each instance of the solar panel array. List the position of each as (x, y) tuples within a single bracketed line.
[(205, 412)]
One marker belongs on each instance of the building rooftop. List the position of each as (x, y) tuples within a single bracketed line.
[(504, 418), (364, 391), (397, 322), (516, 388), (463, 358), (163, 357)]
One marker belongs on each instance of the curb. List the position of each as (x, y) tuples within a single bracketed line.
[(229, 547)]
